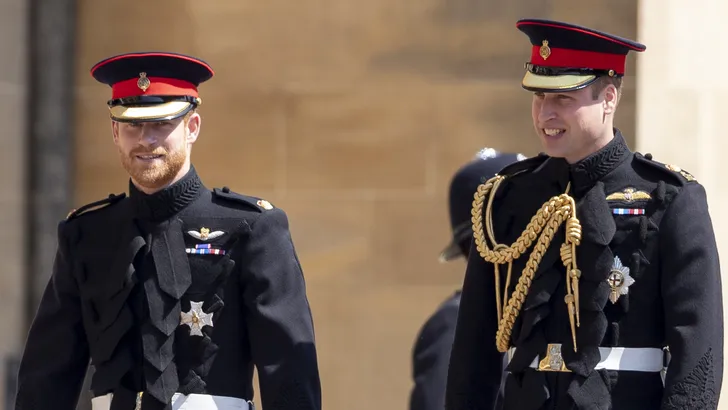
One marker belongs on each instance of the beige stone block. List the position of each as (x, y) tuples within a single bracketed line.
[(242, 142), (365, 337), (11, 280), (680, 116), (408, 237), (13, 19), (108, 28), (12, 116), (269, 43), (12, 201), (461, 40), (373, 138)]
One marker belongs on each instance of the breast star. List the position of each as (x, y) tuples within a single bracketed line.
[(196, 318)]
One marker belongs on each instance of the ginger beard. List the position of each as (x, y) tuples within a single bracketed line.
[(154, 173)]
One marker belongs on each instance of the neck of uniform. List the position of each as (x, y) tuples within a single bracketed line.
[(164, 204)]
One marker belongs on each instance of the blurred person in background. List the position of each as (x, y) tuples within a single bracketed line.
[(175, 292), (431, 353), (594, 270)]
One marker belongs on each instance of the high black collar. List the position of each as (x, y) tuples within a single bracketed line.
[(585, 173), (166, 203)]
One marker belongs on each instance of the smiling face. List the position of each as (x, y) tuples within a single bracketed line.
[(156, 154), (573, 125)]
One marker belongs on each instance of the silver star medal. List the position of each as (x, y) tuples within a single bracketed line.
[(619, 280), (196, 319)]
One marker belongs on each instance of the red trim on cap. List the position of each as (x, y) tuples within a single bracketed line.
[(591, 33), (131, 55), (564, 57), (157, 86)]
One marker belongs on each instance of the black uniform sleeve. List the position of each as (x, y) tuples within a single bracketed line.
[(430, 359), (279, 320), (691, 290), (476, 365), (56, 354)]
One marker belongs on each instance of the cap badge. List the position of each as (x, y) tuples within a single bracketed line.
[(545, 50), (143, 82)]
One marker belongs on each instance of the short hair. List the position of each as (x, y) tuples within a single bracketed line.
[(189, 114), (602, 82)]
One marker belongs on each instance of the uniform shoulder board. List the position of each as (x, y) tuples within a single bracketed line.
[(95, 206), (678, 174), (258, 204), (525, 165)]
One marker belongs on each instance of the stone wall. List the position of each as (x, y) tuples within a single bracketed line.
[(13, 107), (681, 115)]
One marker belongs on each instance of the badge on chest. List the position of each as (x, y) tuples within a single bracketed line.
[(619, 280), (196, 318), (629, 201), (204, 234)]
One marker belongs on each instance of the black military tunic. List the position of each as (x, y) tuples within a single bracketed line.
[(652, 217), (185, 290)]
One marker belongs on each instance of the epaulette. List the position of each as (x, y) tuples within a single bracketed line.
[(95, 206), (258, 204), (680, 175), (525, 165)]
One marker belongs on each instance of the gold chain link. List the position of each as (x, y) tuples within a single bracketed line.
[(543, 226)]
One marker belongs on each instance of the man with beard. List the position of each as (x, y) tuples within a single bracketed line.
[(594, 269), (174, 292), (431, 353)]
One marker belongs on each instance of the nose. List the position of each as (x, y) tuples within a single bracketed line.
[(147, 136), (546, 111)]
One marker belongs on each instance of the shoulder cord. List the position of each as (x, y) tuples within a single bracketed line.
[(551, 215)]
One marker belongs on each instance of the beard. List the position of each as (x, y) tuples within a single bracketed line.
[(155, 174)]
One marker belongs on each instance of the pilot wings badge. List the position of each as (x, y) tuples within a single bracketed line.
[(205, 235), (629, 195)]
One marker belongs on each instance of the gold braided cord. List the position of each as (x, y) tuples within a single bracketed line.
[(543, 226)]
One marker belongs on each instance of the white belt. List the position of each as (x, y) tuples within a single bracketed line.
[(186, 402), (636, 359)]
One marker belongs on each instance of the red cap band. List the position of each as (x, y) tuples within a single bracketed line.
[(157, 86), (561, 57)]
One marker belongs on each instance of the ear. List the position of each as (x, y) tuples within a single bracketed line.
[(193, 127), (611, 97), (115, 131)]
